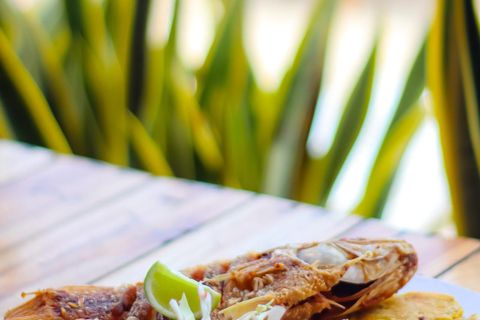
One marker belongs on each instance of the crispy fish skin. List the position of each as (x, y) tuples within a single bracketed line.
[(390, 266), (141, 309), (85, 302), (307, 279), (279, 276), (311, 278)]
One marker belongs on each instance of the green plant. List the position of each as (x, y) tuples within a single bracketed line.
[(454, 79), (81, 76)]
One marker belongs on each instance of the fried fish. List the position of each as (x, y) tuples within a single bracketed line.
[(326, 280)]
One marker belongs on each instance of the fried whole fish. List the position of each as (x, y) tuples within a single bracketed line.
[(322, 280)]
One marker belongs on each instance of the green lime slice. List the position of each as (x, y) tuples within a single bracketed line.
[(163, 284)]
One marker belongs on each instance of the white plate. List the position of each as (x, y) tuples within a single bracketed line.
[(468, 299)]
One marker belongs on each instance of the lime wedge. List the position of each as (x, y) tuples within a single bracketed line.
[(163, 284)]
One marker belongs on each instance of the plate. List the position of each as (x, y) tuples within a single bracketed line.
[(468, 299)]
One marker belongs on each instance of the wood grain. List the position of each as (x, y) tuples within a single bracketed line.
[(69, 220), (109, 236), (263, 223), (436, 254), (20, 160), (370, 228), (465, 273), (45, 200)]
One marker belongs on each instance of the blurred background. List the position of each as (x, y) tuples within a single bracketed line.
[(361, 106)]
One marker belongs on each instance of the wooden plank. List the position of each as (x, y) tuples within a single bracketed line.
[(370, 228), (111, 235), (263, 223), (46, 199), (465, 273), (18, 160), (436, 254)]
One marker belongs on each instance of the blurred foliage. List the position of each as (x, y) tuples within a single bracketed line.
[(454, 80), (81, 76)]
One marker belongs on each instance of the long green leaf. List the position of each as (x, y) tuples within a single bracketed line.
[(225, 66), (181, 146), (414, 85), (348, 129), (171, 129), (298, 95), (203, 139), (105, 79), (154, 86), (222, 37), (6, 132), (146, 150), (136, 67), (242, 154), (160, 116), (388, 160), (74, 17), (402, 127), (21, 40), (447, 87), (120, 16), (64, 107), (221, 86), (32, 97), (468, 38)]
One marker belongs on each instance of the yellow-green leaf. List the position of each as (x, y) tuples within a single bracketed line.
[(468, 38), (203, 139), (134, 68), (388, 160), (67, 111), (402, 127), (149, 154), (447, 87), (6, 131), (297, 97), (32, 97), (348, 129)]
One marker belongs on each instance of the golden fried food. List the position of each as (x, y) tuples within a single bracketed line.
[(414, 306), (333, 278)]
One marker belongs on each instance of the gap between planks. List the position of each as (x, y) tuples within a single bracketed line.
[(437, 254), (465, 272)]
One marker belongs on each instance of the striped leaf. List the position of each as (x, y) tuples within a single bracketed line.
[(407, 118), (448, 87), (387, 162), (145, 149), (105, 80), (297, 97), (348, 129), (468, 38), (135, 69), (31, 96), (63, 104), (6, 132)]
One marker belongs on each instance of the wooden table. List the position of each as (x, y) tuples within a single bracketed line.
[(70, 220)]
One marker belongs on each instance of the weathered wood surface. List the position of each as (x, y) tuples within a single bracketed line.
[(70, 220)]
